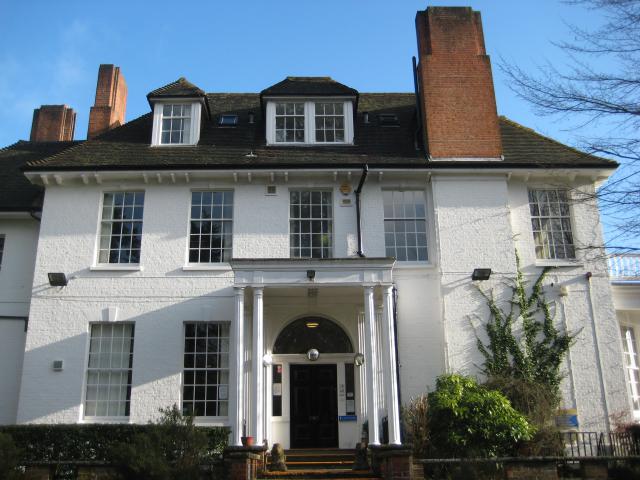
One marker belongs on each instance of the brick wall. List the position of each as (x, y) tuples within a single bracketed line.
[(110, 103), (53, 123), (456, 84)]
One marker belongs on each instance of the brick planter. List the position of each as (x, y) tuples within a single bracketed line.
[(243, 463), (392, 462)]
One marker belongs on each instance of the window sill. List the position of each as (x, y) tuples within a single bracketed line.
[(206, 267), (106, 420), (305, 144), (559, 263), (413, 265), (169, 145), (116, 268)]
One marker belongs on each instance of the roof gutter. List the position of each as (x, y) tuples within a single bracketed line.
[(358, 191)]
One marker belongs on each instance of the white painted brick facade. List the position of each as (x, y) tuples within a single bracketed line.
[(474, 221)]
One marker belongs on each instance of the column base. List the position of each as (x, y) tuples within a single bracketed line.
[(392, 462)]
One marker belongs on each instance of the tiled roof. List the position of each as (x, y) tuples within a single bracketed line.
[(180, 88), (128, 146), (308, 86), (16, 192)]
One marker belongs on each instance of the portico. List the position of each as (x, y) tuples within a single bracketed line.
[(284, 310)]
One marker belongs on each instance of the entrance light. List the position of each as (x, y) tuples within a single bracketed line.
[(312, 324)]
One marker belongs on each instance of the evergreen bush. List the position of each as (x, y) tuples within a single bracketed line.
[(468, 420)]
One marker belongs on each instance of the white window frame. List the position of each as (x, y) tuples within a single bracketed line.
[(331, 221), (195, 368), (428, 241), (129, 369), (194, 132), (222, 262), (102, 220), (309, 120), (555, 259), (634, 364)]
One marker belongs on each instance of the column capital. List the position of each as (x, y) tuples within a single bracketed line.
[(368, 289), (238, 290), (258, 291)]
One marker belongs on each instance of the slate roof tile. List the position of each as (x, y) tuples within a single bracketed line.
[(128, 146), (308, 86), (16, 192)]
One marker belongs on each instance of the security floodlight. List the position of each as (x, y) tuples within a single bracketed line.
[(481, 274), (57, 279)]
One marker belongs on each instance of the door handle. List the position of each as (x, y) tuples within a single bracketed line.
[(314, 418)]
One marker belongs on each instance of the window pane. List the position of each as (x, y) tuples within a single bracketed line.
[(206, 380), (214, 209), (121, 227), (405, 225), (108, 389), (310, 215), (289, 122), (551, 224), (176, 124), (329, 123)]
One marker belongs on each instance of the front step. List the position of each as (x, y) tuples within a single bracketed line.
[(326, 459), (318, 464), (333, 474)]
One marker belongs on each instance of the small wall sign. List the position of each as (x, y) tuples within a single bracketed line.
[(347, 418)]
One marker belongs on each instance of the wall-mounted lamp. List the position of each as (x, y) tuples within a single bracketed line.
[(57, 279), (311, 274), (358, 359), (481, 274)]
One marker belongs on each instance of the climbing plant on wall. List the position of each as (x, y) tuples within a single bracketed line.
[(524, 345)]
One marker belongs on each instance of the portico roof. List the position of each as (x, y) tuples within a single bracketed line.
[(304, 272)]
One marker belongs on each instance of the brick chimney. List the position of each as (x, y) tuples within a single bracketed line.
[(456, 85), (111, 101), (53, 123)]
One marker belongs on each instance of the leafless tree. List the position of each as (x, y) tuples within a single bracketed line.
[(599, 89)]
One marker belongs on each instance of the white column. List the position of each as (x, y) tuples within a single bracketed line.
[(390, 366), (370, 354), (258, 369), (237, 373)]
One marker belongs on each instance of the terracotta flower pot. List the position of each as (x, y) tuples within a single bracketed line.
[(247, 441)]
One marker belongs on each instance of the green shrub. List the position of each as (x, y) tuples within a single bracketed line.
[(173, 450), (9, 458), (468, 420), (89, 442)]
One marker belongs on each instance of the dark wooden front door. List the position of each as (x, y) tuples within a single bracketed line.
[(314, 406)]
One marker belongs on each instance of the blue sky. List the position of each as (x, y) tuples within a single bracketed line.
[(50, 50)]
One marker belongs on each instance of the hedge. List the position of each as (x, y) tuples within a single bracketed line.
[(87, 443)]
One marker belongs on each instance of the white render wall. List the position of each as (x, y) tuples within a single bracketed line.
[(475, 221), (16, 277)]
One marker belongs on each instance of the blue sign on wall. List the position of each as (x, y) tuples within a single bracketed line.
[(347, 418)]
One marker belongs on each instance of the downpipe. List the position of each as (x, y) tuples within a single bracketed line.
[(358, 191)]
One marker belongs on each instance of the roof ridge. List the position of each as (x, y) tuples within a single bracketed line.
[(552, 140)]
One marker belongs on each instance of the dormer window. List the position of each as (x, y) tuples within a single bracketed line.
[(176, 124), (176, 113), (322, 121)]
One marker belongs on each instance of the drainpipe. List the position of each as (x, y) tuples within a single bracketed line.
[(395, 336), (358, 191)]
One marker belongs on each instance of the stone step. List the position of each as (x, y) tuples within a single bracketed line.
[(315, 459), (317, 474)]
